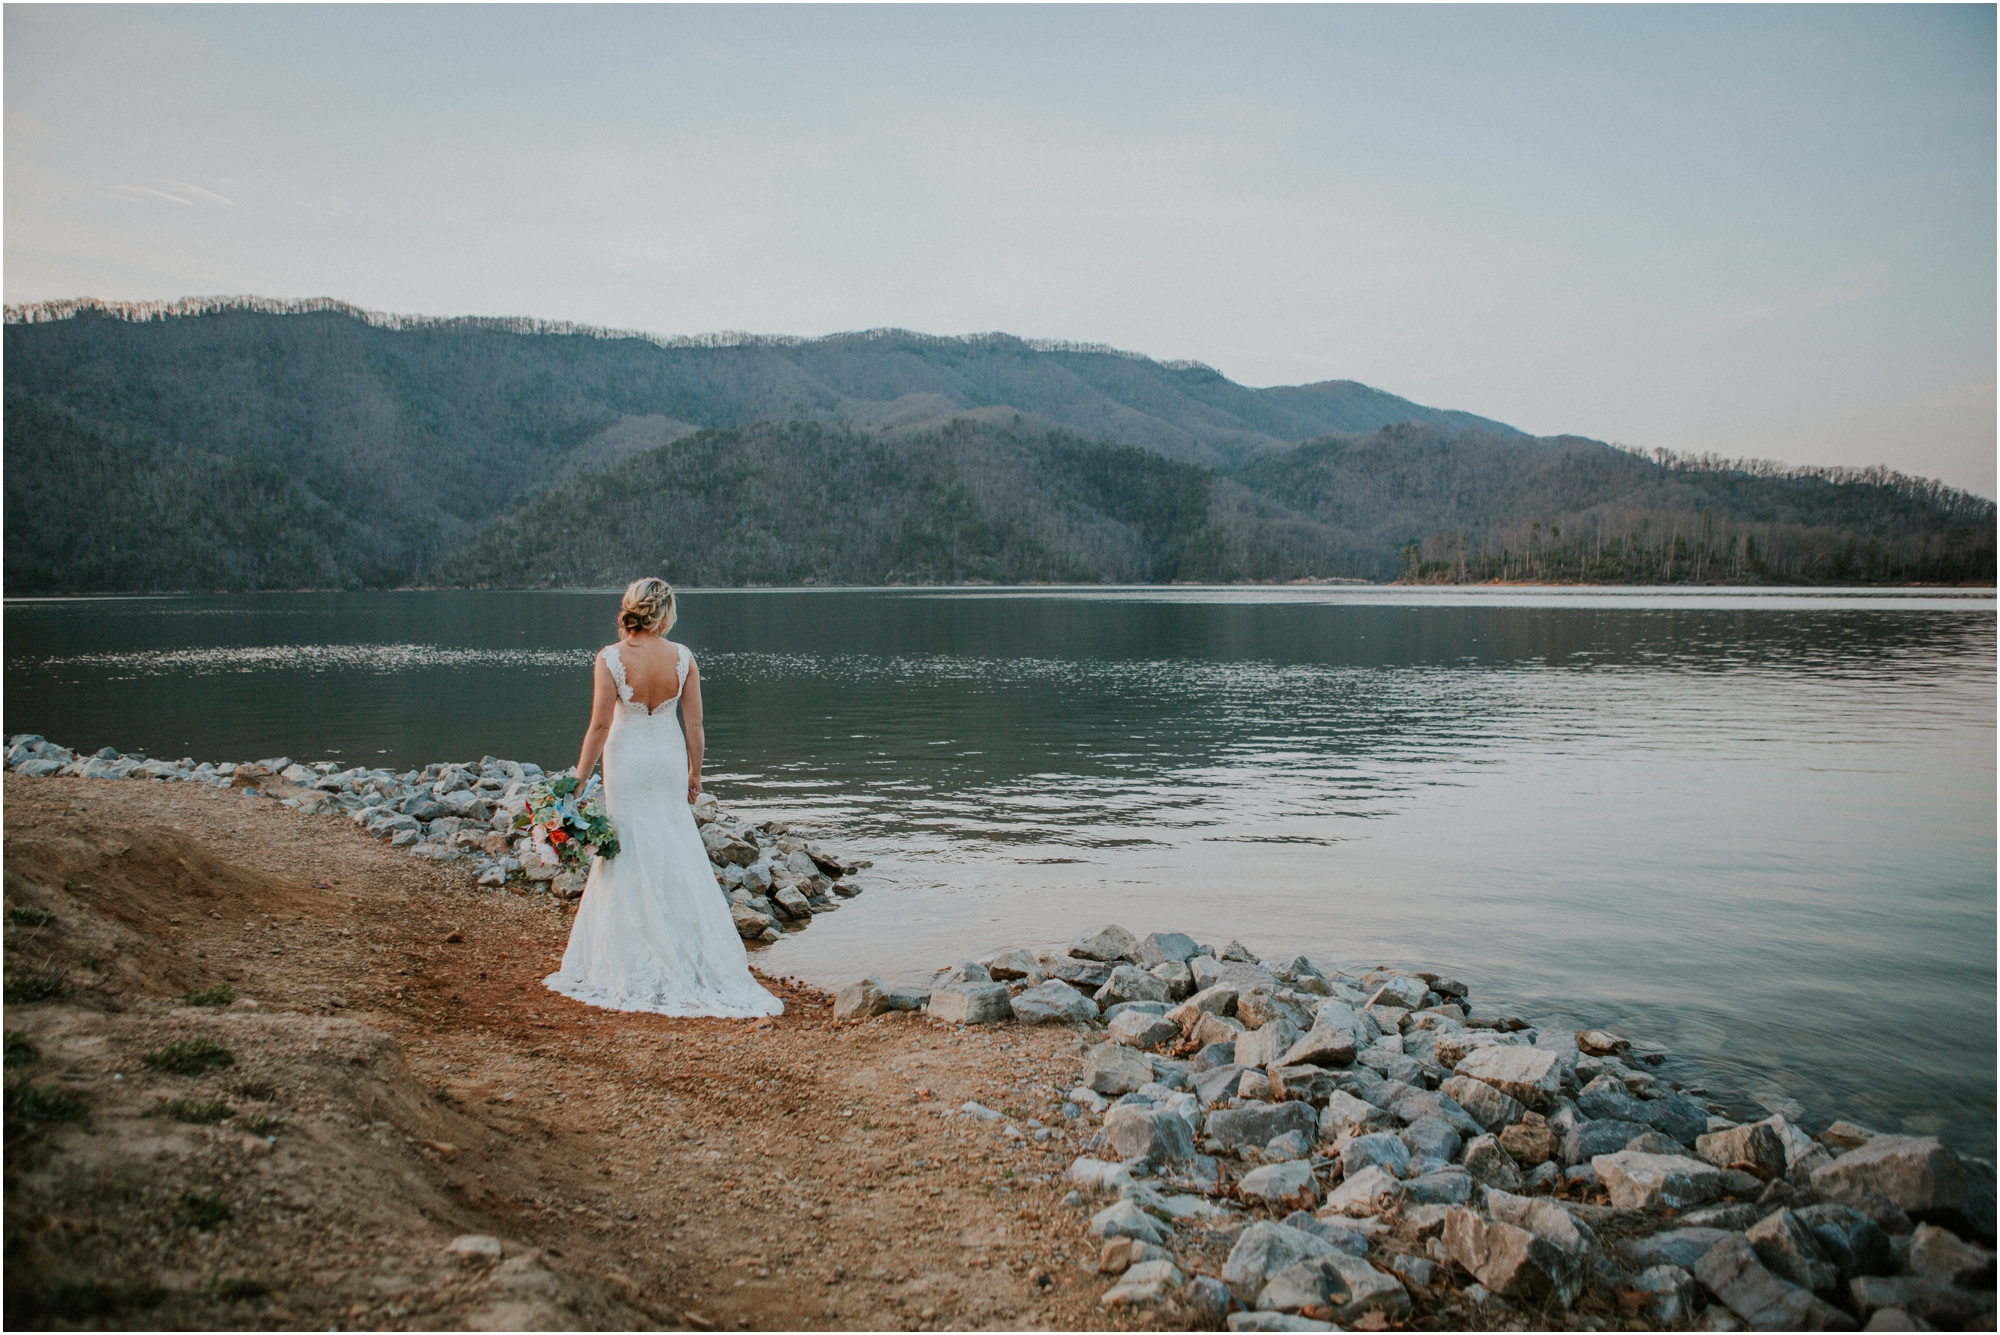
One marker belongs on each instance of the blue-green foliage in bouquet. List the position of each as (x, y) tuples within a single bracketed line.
[(568, 828)]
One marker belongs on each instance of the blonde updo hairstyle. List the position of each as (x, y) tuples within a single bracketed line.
[(647, 608)]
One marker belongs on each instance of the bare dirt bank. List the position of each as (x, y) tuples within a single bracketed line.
[(399, 1077)]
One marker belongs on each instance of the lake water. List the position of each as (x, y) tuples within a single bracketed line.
[(1756, 828)]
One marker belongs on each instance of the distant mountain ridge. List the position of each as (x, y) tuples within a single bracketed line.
[(242, 443)]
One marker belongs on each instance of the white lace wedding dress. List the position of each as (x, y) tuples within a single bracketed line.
[(653, 932)]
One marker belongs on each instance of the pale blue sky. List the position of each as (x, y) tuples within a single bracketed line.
[(1755, 230)]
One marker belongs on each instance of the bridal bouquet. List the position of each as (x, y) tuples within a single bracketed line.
[(567, 827)]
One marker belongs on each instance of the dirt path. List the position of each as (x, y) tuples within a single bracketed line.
[(409, 1080)]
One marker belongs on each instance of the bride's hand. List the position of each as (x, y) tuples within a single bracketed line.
[(694, 790)]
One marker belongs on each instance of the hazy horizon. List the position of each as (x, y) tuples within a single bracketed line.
[(1756, 231)]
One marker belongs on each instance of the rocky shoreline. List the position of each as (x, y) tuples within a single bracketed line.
[(773, 879), (1269, 1144), (1360, 1140)]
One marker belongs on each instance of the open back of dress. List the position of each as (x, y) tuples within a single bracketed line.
[(654, 931)]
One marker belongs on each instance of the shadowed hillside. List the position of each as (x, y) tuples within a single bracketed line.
[(256, 445)]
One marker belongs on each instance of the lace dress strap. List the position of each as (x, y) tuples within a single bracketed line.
[(617, 666), (687, 657)]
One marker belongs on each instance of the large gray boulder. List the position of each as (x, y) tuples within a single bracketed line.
[(1381, 1149), (1936, 1253), (1136, 1029), (1345, 1112), (1401, 991), (1680, 1119), (858, 1001), (1416, 1104), (1109, 944), (1916, 1174), (1679, 1246), (1009, 965), (1486, 1105), (1638, 1181), (1756, 1146), (1850, 1239), (1163, 947), (1289, 1184), (1220, 1001), (1267, 1044), (1126, 1219), (1789, 1250), (1256, 1126), (1529, 1076), (1054, 1002), (1111, 1069), (1219, 1083), (1490, 1164), (1148, 1133), (1308, 1084), (1128, 983), (971, 1003), (1324, 1045), (1586, 1140), (1533, 1253), (1346, 1287), (1263, 1250), (1731, 1271)]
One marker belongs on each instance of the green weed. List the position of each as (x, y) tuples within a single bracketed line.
[(30, 917), (24, 985), (260, 1124), (30, 1106), (219, 995), (202, 1212), (21, 1050), (189, 1056), (73, 1302)]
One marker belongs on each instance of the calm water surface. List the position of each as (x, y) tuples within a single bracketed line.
[(1755, 828)]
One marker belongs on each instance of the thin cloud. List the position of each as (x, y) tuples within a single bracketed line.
[(205, 194), (136, 193)]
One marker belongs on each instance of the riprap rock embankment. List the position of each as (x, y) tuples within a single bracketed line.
[(1279, 1146)]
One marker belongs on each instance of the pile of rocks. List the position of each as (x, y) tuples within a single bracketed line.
[(1371, 1149), (465, 813)]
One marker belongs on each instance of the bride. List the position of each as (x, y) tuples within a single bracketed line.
[(653, 932)]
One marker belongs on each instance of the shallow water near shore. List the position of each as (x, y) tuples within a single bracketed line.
[(1755, 828)]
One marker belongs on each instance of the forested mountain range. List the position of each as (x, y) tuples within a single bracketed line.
[(247, 444)]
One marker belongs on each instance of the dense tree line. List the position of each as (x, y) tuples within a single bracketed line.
[(803, 503), (230, 445)]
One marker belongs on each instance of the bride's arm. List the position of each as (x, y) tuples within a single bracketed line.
[(691, 725), (603, 699)]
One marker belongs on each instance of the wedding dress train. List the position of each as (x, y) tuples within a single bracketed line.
[(653, 932)]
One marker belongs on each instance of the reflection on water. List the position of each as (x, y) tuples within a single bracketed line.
[(1740, 825)]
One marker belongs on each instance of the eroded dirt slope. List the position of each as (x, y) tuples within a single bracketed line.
[(398, 1077)]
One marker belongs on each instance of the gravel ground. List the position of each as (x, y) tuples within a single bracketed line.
[(398, 1077)]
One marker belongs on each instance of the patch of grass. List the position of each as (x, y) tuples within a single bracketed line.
[(236, 1290), (219, 995), (441, 1092), (189, 1056), (25, 985), (30, 1106), (74, 1302), (260, 1124), (260, 1090), (90, 960), (30, 917), (191, 1110), (21, 1050), (202, 1212)]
